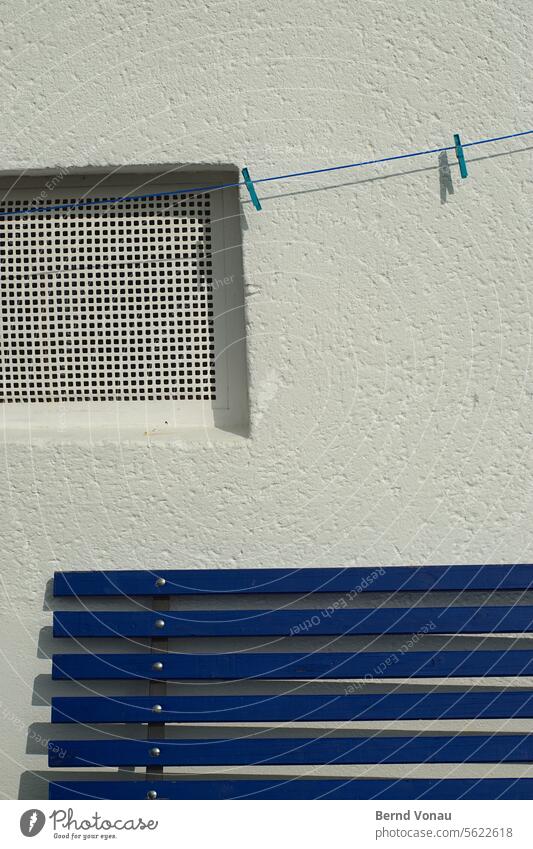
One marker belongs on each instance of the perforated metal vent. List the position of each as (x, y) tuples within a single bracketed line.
[(107, 302)]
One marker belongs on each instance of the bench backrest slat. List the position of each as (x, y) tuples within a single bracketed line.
[(247, 751), (289, 665), (354, 579), (296, 789), (300, 708)]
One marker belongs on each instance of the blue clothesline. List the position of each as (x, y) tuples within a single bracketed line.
[(219, 187)]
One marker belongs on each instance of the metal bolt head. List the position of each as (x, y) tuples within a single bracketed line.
[(155, 752), (158, 666), (159, 623), (152, 794), (157, 709), (160, 582)]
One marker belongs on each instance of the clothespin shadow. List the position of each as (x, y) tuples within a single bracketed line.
[(445, 177), (251, 188)]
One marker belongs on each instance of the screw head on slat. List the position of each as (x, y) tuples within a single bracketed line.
[(157, 709), (157, 665), (160, 582), (155, 752), (159, 623), (152, 794)]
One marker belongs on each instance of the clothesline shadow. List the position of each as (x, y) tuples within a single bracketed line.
[(443, 167)]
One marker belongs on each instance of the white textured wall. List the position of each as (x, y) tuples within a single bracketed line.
[(388, 333)]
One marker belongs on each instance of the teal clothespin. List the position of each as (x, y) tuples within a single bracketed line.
[(250, 186), (459, 152)]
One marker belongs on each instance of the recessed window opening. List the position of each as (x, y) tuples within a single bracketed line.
[(121, 302)]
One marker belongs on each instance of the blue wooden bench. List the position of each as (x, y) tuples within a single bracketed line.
[(154, 623)]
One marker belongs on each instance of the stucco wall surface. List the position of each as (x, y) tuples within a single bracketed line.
[(388, 321)]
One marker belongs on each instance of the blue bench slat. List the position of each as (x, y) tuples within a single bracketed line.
[(303, 580), (235, 623), (496, 748), (275, 708), (290, 665), (300, 789)]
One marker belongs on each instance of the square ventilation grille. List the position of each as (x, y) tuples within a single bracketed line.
[(108, 302), (118, 303)]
